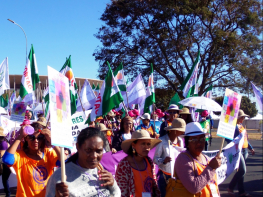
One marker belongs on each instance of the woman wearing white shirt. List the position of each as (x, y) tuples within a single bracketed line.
[(162, 155)]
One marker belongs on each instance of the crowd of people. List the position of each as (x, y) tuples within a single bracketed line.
[(36, 162)]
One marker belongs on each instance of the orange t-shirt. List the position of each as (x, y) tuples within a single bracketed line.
[(206, 192), (168, 123), (143, 180), (32, 176), (241, 129)]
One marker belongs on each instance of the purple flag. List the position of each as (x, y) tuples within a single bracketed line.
[(110, 161)]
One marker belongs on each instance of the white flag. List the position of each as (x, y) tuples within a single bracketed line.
[(4, 76), (87, 97), (259, 97)]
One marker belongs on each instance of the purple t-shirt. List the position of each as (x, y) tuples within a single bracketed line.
[(3, 145)]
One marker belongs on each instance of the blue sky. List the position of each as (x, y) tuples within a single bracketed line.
[(56, 29)]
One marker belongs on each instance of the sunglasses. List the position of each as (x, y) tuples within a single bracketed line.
[(32, 137), (173, 112), (195, 141)]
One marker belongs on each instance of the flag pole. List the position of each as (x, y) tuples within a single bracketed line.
[(62, 161), (81, 104), (42, 99), (154, 118)]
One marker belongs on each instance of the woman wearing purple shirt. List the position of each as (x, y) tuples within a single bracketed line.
[(6, 171)]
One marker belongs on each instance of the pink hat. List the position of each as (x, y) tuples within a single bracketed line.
[(136, 112), (25, 122), (160, 115), (158, 111), (204, 113), (131, 114)]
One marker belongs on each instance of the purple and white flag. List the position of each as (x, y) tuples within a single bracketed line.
[(259, 97)]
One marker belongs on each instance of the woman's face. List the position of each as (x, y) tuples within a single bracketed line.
[(146, 122), (173, 114), (29, 115), (90, 152), (241, 120), (196, 144), (127, 125), (184, 116), (142, 147), (35, 141)]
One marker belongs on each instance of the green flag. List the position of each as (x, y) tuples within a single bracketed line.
[(30, 75), (3, 101), (188, 86), (68, 72), (175, 100), (150, 93)]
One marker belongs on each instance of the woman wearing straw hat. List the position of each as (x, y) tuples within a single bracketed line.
[(186, 115), (162, 156), (135, 173), (240, 174), (6, 171), (173, 112), (195, 171)]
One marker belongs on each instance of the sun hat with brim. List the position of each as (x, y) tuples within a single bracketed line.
[(111, 113), (131, 114), (194, 129), (173, 107), (177, 124), (146, 116), (42, 121), (136, 112), (139, 135), (102, 127), (185, 111), (2, 132), (241, 113), (204, 113)]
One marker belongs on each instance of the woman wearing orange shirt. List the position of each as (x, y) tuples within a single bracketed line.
[(135, 173), (34, 163)]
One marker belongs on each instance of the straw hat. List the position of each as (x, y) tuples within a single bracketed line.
[(173, 107), (185, 111), (146, 116), (139, 135), (102, 127), (42, 121), (241, 113), (111, 113), (177, 124), (2, 132), (193, 129)]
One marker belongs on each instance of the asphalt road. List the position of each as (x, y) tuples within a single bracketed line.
[(253, 178)]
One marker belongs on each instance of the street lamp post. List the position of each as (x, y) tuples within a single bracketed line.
[(23, 31)]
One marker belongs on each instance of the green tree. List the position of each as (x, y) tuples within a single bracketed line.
[(246, 105), (169, 33)]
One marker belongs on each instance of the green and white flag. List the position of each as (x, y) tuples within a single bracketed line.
[(30, 77), (208, 92), (119, 78), (150, 94), (93, 86), (68, 72), (188, 86), (108, 97), (4, 76)]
